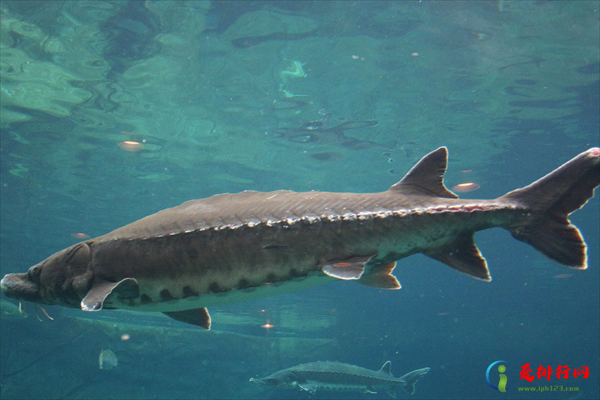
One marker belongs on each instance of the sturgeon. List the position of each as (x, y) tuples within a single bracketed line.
[(234, 247), (329, 375)]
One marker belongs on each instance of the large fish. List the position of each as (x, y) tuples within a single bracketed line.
[(234, 247), (328, 375)]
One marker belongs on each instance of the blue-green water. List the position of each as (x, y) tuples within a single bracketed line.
[(266, 95)]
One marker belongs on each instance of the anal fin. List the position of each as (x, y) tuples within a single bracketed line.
[(197, 316), (462, 254), (380, 277)]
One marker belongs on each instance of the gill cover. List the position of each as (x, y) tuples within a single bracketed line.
[(65, 277)]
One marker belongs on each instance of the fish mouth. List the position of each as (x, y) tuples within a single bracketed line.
[(265, 381), (18, 286), (258, 380)]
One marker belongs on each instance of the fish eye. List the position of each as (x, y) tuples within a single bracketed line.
[(34, 273)]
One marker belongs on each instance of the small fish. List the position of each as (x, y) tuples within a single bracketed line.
[(107, 359), (236, 247), (328, 375), (9, 310), (563, 276)]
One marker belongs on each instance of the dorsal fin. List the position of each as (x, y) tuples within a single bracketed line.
[(386, 368), (426, 178)]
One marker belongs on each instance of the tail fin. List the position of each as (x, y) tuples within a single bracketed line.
[(551, 200), (412, 377)]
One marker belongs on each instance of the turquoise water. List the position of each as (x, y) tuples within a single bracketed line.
[(266, 95)]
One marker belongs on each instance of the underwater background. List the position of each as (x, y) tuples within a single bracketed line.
[(113, 110)]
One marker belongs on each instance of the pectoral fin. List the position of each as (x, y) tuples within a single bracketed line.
[(370, 390), (124, 289), (198, 316), (307, 387)]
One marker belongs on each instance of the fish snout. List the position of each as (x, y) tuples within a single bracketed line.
[(261, 381), (18, 286)]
